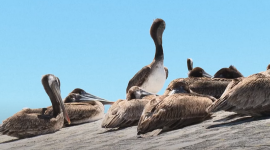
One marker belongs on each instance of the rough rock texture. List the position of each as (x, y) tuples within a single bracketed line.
[(221, 132)]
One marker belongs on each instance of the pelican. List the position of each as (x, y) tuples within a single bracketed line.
[(229, 73), (201, 85), (125, 113), (196, 72), (180, 108), (83, 107), (152, 77), (32, 122), (248, 96)]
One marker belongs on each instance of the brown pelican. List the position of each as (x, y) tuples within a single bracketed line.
[(248, 96), (152, 77), (32, 122), (125, 113), (196, 72), (83, 107), (181, 108), (229, 73), (201, 85)]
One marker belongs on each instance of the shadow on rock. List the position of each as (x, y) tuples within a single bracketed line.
[(238, 121), (13, 140)]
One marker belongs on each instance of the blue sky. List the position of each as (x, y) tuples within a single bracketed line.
[(99, 46)]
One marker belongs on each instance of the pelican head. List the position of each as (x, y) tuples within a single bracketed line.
[(229, 73), (79, 95), (136, 92), (179, 87), (156, 31), (196, 72)]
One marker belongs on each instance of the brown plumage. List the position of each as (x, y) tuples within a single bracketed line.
[(32, 122), (196, 72), (201, 85), (125, 113), (152, 77), (83, 107), (268, 67), (174, 111), (249, 96), (229, 73)]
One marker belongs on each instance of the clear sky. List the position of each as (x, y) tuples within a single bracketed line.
[(99, 46)]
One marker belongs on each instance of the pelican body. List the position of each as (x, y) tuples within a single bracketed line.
[(179, 109), (83, 107), (152, 77), (248, 96), (201, 85), (32, 122), (126, 113)]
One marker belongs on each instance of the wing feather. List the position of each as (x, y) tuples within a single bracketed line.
[(248, 96), (167, 72), (124, 113), (139, 77), (175, 111), (29, 122)]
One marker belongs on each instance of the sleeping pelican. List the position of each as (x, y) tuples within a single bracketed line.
[(180, 108), (196, 72), (83, 107), (32, 122), (201, 85), (125, 113), (248, 96), (152, 77)]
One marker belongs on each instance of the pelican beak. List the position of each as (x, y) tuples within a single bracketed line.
[(65, 112), (178, 90), (57, 93), (205, 74), (86, 97), (145, 93), (173, 92)]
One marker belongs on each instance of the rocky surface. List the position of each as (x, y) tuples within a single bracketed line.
[(224, 131)]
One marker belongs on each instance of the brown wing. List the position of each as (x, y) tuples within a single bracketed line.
[(175, 111), (167, 72), (124, 113), (139, 77), (29, 122), (246, 96), (209, 86)]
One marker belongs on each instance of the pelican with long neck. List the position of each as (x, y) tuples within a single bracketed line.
[(152, 77), (32, 122)]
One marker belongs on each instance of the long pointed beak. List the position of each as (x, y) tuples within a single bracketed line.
[(178, 90), (206, 75), (89, 97), (172, 92), (57, 93), (145, 93)]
